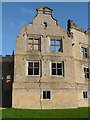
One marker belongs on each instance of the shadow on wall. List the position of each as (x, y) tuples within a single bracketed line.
[(7, 80)]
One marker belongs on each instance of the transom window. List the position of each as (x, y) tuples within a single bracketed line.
[(84, 52), (34, 44), (85, 94), (87, 72), (33, 68), (56, 45), (57, 68), (46, 95)]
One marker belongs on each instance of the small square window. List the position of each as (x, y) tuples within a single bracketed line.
[(33, 68), (58, 69), (34, 44), (85, 94), (46, 95), (56, 45), (52, 48), (87, 72)]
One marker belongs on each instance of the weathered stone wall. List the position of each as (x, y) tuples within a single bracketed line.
[(7, 80), (66, 92)]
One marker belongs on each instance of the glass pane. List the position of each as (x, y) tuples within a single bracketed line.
[(83, 94), (52, 42), (82, 49), (44, 94), (30, 64), (82, 52), (53, 71), (52, 48), (85, 55), (36, 64), (59, 65), (88, 75), (57, 42), (87, 69), (84, 69), (48, 94), (30, 71), (59, 71), (57, 48), (36, 71), (85, 50), (86, 95), (53, 65)]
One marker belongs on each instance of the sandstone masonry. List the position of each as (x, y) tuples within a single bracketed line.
[(52, 65)]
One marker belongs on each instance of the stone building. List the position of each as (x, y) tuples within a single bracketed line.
[(7, 66), (52, 65)]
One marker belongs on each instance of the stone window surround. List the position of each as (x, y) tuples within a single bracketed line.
[(55, 45), (51, 69), (87, 72), (33, 38), (50, 95), (85, 94), (86, 66), (39, 68), (85, 53)]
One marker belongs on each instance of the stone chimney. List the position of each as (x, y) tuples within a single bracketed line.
[(69, 26)]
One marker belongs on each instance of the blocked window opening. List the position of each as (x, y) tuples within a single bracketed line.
[(85, 94), (34, 44), (33, 68), (46, 95), (84, 52), (56, 45), (58, 69), (45, 23), (87, 72)]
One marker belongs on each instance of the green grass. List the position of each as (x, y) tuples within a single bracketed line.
[(60, 113)]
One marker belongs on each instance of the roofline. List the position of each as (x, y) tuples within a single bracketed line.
[(44, 7)]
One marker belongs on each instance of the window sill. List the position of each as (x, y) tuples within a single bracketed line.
[(56, 52), (56, 76), (46, 99), (33, 75), (88, 79), (83, 58), (85, 98)]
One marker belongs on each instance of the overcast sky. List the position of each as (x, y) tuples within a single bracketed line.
[(15, 15)]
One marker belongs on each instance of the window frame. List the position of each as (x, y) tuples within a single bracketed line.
[(33, 69), (56, 70), (86, 72), (32, 43), (50, 95), (85, 94), (85, 53), (55, 45)]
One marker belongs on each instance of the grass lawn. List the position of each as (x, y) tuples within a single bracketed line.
[(60, 113)]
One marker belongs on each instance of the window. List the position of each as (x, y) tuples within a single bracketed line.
[(33, 68), (87, 72), (57, 68), (85, 94), (34, 44), (45, 24), (84, 52), (56, 45), (8, 79), (46, 95)]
